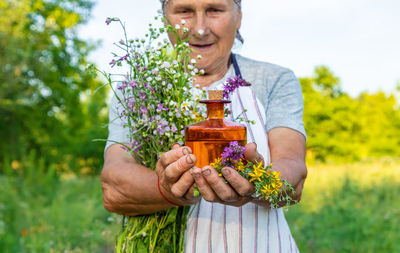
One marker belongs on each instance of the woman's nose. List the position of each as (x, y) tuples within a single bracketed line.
[(200, 27)]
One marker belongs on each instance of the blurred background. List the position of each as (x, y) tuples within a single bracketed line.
[(345, 54)]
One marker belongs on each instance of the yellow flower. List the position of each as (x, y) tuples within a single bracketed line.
[(239, 166), (258, 172), (216, 163)]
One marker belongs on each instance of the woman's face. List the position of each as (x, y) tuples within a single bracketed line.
[(212, 28)]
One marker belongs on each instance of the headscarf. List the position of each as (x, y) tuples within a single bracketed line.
[(237, 2)]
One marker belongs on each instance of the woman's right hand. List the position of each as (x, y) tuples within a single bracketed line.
[(175, 181)]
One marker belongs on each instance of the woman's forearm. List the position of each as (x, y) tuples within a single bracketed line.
[(131, 189)]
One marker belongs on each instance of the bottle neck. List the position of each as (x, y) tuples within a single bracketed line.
[(215, 110)]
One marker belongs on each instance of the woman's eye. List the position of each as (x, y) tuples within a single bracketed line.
[(215, 10), (184, 11)]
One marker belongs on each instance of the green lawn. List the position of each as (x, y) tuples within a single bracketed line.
[(349, 208), (345, 208), (42, 212)]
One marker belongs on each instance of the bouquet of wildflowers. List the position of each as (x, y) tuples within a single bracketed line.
[(268, 184), (157, 100)]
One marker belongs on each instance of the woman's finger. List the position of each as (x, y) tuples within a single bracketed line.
[(251, 154), (205, 190), (223, 190), (174, 154), (174, 171), (183, 185), (243, 187)]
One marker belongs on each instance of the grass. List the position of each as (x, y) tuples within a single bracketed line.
[(349, 208), (41, 211), (345, 208)]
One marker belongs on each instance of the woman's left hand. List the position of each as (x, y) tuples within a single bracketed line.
[(213, 188)]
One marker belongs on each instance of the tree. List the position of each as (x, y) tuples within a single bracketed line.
[(47, 101), (342, 128)]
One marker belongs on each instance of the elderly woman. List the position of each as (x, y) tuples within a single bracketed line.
[(225, 218)]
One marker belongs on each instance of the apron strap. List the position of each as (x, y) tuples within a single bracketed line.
[(236, 66)]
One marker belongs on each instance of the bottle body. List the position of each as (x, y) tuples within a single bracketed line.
[(208, 138)]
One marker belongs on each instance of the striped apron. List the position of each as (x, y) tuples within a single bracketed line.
[(214, 227)]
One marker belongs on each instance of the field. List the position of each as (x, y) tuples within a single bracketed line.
[(345, 208), (349, 208)]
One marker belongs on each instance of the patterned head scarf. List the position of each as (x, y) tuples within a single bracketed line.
[(237, 2)]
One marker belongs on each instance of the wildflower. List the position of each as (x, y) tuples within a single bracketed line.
[(216, 163), (201, 72), (238, 165), (133, 83), (159, 108), (173, 128), (193, 61), (122, 86), (232, 84), (177, 26), (165, 65), (199, 57), (255, 175), (233, 152), (123, 58), (200, 31), (108, 21), (113, 62)]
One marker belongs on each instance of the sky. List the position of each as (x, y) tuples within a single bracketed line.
[(359, 40)]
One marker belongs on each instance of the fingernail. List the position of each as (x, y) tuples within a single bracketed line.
[(186, 151), (206, 172), (176, 145), (226, 171), (189, 159)]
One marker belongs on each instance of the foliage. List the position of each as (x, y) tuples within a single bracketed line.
[(342, 128), (46, 96), (349, 208), (43, 211)]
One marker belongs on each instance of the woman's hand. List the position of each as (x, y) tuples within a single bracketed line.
[(237, 192), (132, 189), (287, 149), (175, 180)]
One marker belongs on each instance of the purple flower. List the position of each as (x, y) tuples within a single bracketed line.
[(108, 21), (160, 107), (144, 110), (113, 62), (232, 84), (122, 86), (123, 58), (142, 96), (234, 152), (130, 104), (133, 83)]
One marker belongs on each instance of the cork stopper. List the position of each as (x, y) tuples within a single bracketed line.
[(215, 94)]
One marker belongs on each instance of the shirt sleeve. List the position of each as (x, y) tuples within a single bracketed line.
[(116, 130), (285, 104)]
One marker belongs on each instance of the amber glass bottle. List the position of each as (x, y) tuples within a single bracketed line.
[(209, 137)]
